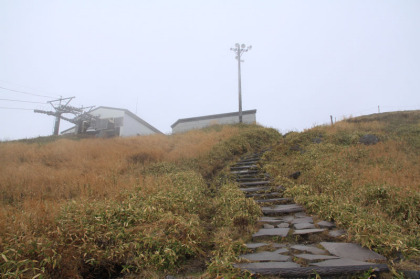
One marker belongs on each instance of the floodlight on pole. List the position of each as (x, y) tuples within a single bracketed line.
[(239, 50)]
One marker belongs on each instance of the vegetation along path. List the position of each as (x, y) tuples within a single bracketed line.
[(291, 243)]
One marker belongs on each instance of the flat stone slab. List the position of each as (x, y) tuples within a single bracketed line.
[(256, 245), (265, 257), (310, 249), (351, 251), (283, 225), (342, 262), (326, 224), (268, 226), (337, 233), (272, 232), (253, 183), (248, 179), (302, 220), (265, 195), (282, 209), (246, 162), (255, 267), (244, 167), (311, 257), (281, 250), (274, 200), (252, 189), (308, 231), (270, 220), (244, 171), (301, 215), (323, 271), (301, 226), (288, 218)]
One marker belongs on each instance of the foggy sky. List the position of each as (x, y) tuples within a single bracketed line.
[(165, 60)]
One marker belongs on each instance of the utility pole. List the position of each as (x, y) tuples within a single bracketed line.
[(239, 50)]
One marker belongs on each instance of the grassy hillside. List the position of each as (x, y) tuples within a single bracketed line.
[(148, 205), (157, 205), (372, 190)]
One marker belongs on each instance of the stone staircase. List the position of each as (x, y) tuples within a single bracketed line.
[(291, 243)]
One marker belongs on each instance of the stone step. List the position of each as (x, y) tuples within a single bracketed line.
[(247, 179), (264, 195), (244, 167), (311, 257), (308, 231), (250, 159), (351, 251), (257, 176), (253, 189), (282, 209), (300, 220), (282, 232), (249, 162), (309, 248), (302, 260), (251, 156), (265, 257), (253, 173), (285, 218), (294, 270), (274, 200), (251, 179), (255, 245), (304, 226), (244, 172), (271, 220), (254, 183)]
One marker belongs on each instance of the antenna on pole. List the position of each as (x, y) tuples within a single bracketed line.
[(239, 50)]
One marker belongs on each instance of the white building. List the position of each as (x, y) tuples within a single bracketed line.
[(186, 124), (116, 122)]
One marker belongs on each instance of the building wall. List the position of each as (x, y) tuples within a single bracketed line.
[(108, 113), (131, 127), (198, 124)]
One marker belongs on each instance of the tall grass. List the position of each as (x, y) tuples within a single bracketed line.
[(101, 207), (371, 190), (91, 168)]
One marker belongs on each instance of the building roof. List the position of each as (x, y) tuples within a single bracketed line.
[(68, 130), (213, 116), (133, 116)]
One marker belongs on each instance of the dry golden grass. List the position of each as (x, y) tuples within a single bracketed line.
[(90, 168), (69, 207), (36, 179), (371, 190)]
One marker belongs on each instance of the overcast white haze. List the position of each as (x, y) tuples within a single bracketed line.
[(165, 60)]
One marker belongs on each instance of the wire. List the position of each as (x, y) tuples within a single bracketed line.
[(15, 108), (12, 100), (28, 93)]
